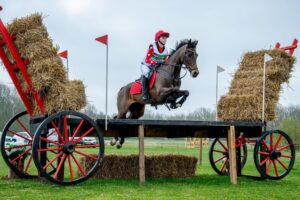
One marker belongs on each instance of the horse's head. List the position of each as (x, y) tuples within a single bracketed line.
[(189, 58)]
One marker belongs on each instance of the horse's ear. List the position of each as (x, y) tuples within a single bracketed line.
[(196, 42)]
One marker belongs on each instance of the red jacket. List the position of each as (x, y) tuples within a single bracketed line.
[(152, 57)]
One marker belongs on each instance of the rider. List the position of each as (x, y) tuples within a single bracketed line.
[(157, 54)]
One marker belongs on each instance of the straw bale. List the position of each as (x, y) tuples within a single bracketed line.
[(244, 98), (46, 70), (156, 166)]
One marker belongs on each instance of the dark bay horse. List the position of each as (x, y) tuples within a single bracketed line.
[(166, 88)]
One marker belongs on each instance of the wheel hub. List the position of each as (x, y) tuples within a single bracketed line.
[(274, 154), (68, 148)]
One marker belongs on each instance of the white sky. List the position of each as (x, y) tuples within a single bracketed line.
[(225, 30)]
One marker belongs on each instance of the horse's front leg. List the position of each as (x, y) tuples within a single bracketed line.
[(183, 94)]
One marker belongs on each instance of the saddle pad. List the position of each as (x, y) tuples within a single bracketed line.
[(136, 87)]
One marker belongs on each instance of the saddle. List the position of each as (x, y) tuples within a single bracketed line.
[(136, 87)]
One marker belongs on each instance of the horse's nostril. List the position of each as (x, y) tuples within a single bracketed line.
[(195, 73)]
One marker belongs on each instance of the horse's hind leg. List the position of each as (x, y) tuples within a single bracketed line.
[(136, 111)]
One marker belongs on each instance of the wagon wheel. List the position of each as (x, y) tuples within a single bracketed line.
[(16, 146), (274, 154), (58, 144), (219, 156)]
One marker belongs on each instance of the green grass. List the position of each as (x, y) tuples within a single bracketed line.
[(205, 185)]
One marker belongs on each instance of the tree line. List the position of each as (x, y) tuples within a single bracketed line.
[(288, 117)]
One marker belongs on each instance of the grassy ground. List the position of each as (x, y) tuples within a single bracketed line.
[(205, 185)]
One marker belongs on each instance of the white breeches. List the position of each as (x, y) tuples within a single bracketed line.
[(145, 70)]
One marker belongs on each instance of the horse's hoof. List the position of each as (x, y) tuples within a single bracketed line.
[(178, 105), (113, 142), (119, 145)]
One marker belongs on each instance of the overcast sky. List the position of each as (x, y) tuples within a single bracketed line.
[(225, 30)]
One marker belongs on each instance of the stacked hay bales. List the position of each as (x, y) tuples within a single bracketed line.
[(244, 99), (45, 68), (156, 166)]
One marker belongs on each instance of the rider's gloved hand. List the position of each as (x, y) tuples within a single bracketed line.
[(160, 62)]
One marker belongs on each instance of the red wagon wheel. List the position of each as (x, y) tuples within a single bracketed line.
[(58, 144), (274, 154), (219, 156), (16, 146)]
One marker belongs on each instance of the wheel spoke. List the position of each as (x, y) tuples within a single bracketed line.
[(264, 153), (223, 165), (70, 168), (21, 155), (51, 164), (28, 164), (268, 167), (49, 149), (219, 151), (271, 141), (59, 166), (275, 168), (264, 161), (54, 131), (282, 164), (77, 129), (219, 159), (51, 161), (88, 146), (24, 127), (222, 145), (79, 166), (284, 147), (265, 144), (57, 131), (15, 133), (18, 146), (66, 129), (86, 155), (51, 141), (278, 141), (85, 134), (286, 156)]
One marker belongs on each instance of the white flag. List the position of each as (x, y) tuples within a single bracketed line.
[(220, 69), (267, 57)]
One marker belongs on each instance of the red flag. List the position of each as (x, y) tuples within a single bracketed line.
[(64, 54), (103, 39)]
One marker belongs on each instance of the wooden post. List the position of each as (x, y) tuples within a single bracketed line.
[(232, 155), (141, 155), (200, 152)]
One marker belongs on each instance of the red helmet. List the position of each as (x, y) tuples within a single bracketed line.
[(161, 33)]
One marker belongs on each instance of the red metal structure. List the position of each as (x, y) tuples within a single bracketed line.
[(290, 48)]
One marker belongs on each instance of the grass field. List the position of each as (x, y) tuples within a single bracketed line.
[(205, 185)]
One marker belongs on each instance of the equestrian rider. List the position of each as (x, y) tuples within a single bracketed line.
[(157, 54)]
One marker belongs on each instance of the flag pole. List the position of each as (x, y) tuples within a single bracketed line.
[(68, 66), (267, 58), (106, 89), (217, 94), (104, 40)]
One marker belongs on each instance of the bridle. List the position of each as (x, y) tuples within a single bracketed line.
[(184, 65)]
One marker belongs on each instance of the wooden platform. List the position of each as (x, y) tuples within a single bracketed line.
[(178, 128)]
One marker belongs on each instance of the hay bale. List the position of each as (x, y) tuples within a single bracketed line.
[(46, 70), (244, 99), (156, 166), (63, 96)]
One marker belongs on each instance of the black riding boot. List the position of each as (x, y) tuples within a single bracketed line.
[(145, 95)]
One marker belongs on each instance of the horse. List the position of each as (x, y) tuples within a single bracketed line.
[(166, 88)]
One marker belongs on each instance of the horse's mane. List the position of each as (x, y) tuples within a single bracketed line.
[(191, 44)]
